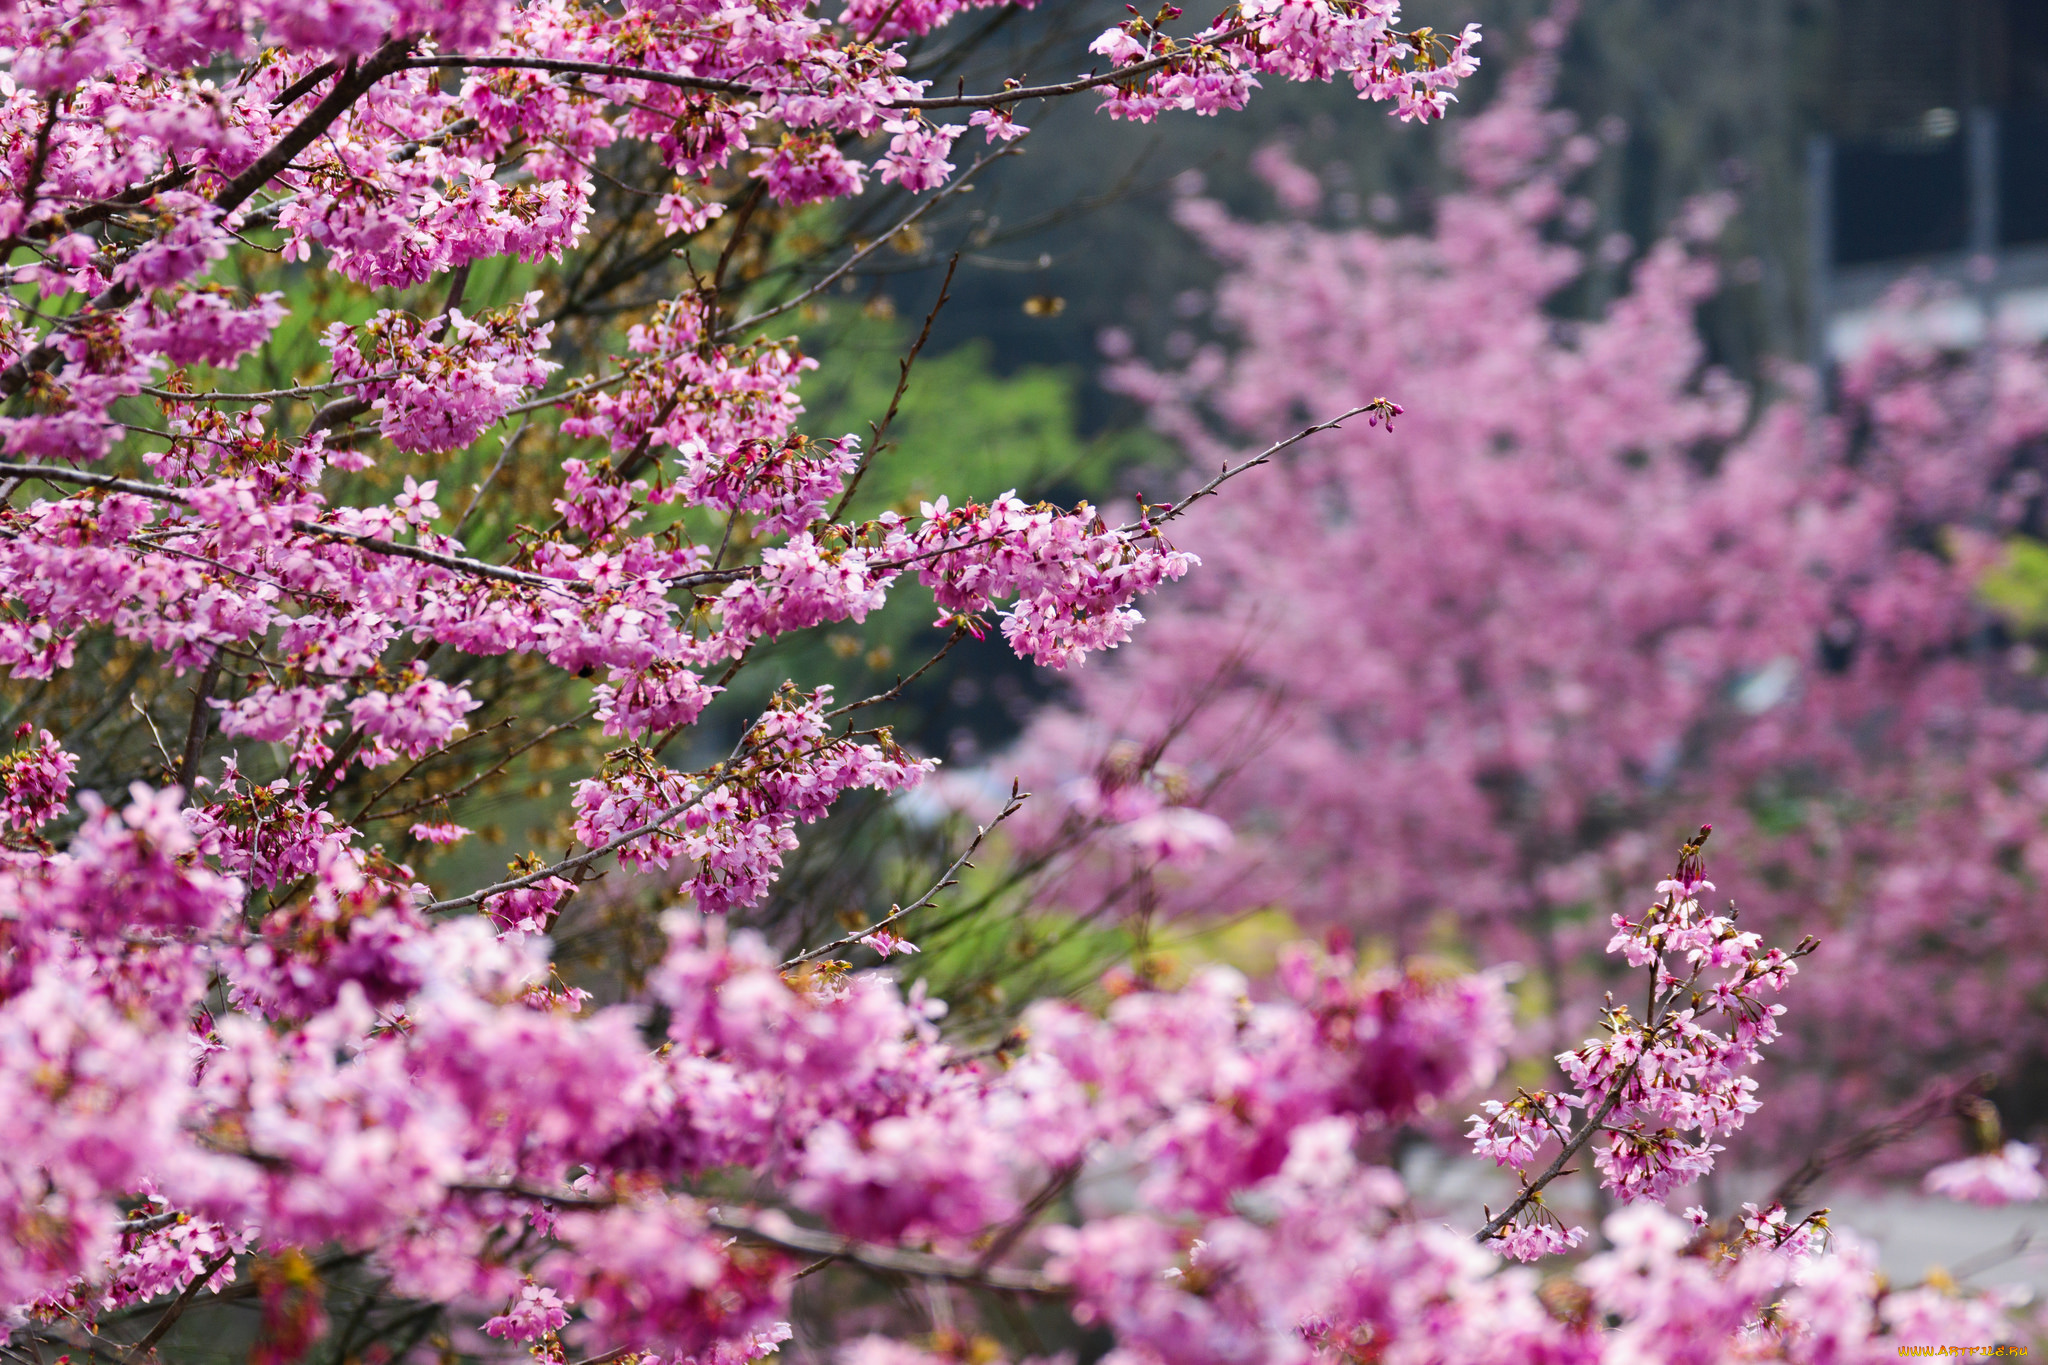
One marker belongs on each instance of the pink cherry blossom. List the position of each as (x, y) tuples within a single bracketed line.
[(1478, 696), (2010, 1175), (243, 1045)]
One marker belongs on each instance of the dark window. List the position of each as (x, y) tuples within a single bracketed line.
[(1894, 200), (2023, 175)]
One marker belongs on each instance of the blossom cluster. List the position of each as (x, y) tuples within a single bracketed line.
[(1656, 1090), (239, 1035), (1217, 68), (419, 1093), (238, 1027), (735, 828)]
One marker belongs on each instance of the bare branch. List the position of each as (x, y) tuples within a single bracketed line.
[(195, 729), (723, 773), (266, 395), (1942, 1099), (1229, 471), (881, 428), (504, 453), (779, 1231), (959, 634), (177, 1309), (959, 186), (945, 880), (567, 67), (776, 1229), (1000, 1244), (1074, 87), (466, 788)]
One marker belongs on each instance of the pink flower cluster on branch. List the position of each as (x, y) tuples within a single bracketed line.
[(1656, 1090), (438, 1101), (1217, 68), (238, 1036), (236, 1025)]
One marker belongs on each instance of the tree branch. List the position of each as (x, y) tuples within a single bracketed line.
[(361, 540), (777, 1230), (726, 772), (1861, 1143), (959, 634), (993, 100), (177, 1309), (959, 186), (1571, 1149), (195, 729), (896, 913), (355, 81), (1000, 1244), (881, 428), (1229, 471)]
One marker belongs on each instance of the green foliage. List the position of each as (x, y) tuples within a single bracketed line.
[(960, 424), (988, 950), (2018, 588)]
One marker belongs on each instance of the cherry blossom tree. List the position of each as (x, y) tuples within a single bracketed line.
[(1446, 689), (250, 1051)]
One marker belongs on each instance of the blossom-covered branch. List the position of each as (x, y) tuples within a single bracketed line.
[(1660, 1088)]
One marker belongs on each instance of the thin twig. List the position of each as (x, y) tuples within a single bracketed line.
[(466, 788), (1942, 1099), (567, 67), (997, 99), (945, 880), (478, 496), (268, 395), (999, 1245), (882, 21), (726, 772), (959, 186), (778, 1231), (610, 1357), (1230, 471), (959, 634), (1995, 1256), (445, 749), (881, 428), (147, 719), (749, 201), (548, 400)]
